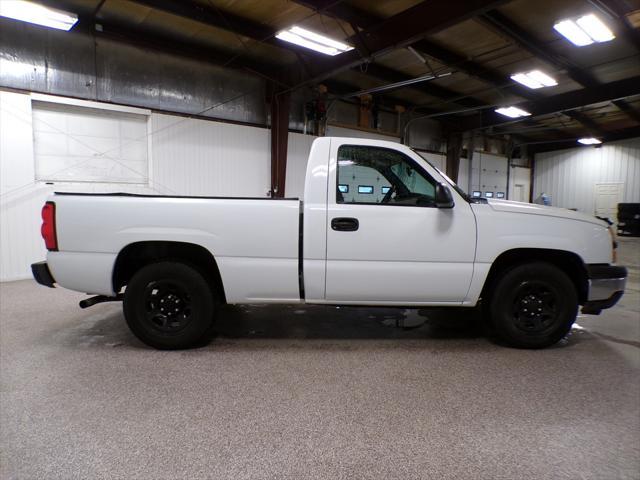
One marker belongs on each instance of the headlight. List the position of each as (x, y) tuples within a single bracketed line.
[(614, 244)]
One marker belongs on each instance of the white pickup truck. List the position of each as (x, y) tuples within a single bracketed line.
[(379, 225)]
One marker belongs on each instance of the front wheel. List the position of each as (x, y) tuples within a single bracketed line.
[(533, 306), (169, 305)]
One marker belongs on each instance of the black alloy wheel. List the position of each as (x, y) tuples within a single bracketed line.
[(170, 305), (167, 305), (532, 305)]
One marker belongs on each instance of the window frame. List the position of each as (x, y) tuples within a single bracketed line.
[(412, 162)]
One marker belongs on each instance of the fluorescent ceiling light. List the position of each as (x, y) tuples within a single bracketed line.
[(38, 14), (572, 32), (314, 41), (543, 78), (525, 80), (534, 79), (584, 31), (589, 141), (595, 28), (321, 39), (513, 112)]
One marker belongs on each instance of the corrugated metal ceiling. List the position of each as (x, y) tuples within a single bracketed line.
[(472, 40)]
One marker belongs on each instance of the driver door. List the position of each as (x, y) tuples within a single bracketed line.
[(387, 242)]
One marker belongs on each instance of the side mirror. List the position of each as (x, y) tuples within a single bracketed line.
[(444, 199)]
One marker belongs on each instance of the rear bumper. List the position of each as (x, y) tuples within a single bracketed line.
[(606, 287), (42, 274)]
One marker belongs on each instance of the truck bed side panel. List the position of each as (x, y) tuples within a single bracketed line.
[(254, 241)]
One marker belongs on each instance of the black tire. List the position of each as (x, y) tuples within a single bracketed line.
[(533, 305), (169, 305)]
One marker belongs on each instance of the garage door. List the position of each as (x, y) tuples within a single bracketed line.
[(80, 144)]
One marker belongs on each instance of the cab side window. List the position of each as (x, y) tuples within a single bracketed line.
[(369, 175)]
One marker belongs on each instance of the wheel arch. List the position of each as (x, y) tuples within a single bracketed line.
[(568, 262), (136, 255)]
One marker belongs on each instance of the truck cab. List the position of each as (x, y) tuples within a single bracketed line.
[(386, 228)]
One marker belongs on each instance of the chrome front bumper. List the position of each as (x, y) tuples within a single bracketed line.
[(606, 287)]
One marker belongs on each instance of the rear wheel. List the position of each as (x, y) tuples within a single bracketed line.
[(169, 305), (533, 306)]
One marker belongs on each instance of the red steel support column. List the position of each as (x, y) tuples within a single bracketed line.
[(454, 150), (280, 105)]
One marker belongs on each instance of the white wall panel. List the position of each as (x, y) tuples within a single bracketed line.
[(570, 176), (16, 180), (297, 156), (201, 157), (464, 175), (438, 160), (16, 142)]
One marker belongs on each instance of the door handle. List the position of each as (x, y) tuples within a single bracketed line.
[(345, 224)]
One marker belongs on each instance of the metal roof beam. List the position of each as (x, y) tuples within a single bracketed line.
[(562, 144), (215, 17), (443, 93), (342, 11), (617, 10), (471, 68), (209, 16), (504, 26), (558, 103), (586, 122), (145, 38), (628, 109), (195, 51), (447, 57), (443, 55), (259, 32), (365, 20), (359, 18), (402, 30)]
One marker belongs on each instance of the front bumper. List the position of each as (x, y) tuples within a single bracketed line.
[(42, 274), (606, 287)]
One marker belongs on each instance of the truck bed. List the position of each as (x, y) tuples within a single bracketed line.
[(255, 241)]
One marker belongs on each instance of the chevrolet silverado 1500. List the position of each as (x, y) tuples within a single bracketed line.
[(379, 225)]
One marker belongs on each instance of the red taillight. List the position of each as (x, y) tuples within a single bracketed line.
[(48, 229)]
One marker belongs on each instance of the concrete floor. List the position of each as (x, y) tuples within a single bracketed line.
[(291, 392)]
